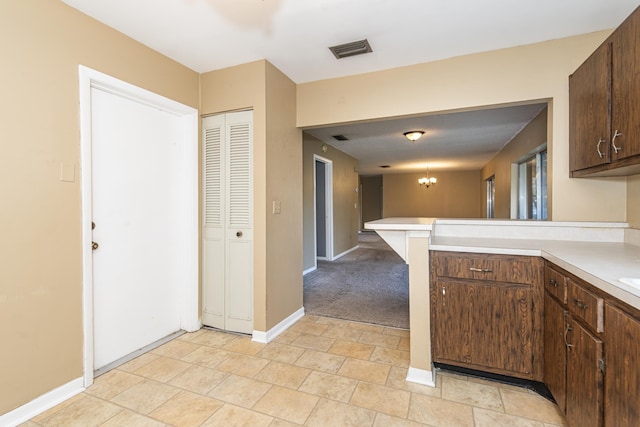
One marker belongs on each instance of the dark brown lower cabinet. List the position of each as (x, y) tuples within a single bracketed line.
[(584, 376), (487, 313), (622, 379), (555, 351)]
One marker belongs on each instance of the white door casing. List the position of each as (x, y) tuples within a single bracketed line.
[(139, 154), (228, 221), (328, 208)]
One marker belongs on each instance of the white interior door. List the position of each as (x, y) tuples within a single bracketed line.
[(135, 204)]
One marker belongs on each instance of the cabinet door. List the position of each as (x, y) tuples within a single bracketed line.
[(584, 377), (622, 383), (626, 88), (485, 325), (589, 111), (555, 353)]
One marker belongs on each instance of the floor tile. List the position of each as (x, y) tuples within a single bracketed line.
[(404, 344), (531, 406), (128, 418), (235, 416), (138, 362), (403, 333), (212, 338), (342, 333), (398, 379), (380, 398), (287, 404), (112, 383), (384, 420), (145, 396), (352, 349), (281, 352), (364, 370), (331, 413), (390, 356), (207, 356), (330, 386), (46, 414), (244, 345), (439, 412), (199, 379), (283, 374), (287, 337), (84, 412), (241, 364), (175, 348), (162, 369), (313, 342), (379, 339), (245, 392), (366, 327), (487, 418), (309, 328), (186, 409), (471, 393), (320, 361)]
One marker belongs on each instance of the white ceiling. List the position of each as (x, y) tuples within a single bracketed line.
[(294, 35), (455, 141)]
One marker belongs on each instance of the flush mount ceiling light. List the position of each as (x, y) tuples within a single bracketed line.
[(413, 135), (351, 49)]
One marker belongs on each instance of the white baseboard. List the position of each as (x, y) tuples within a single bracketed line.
[(422, 376), (40, 404), (271, 334), (346, 252), (309, 270)]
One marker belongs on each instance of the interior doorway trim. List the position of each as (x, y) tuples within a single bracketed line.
[(328, 196), (187, 176)]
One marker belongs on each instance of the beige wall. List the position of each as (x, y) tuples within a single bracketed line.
[(42, 43), (284, 184), (456, 195), (345, 198), (525, 142), (370, 198), (532, 72), (633, 201), (277, 176)]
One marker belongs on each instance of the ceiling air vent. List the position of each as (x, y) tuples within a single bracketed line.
[(340, 137), (351, 49)]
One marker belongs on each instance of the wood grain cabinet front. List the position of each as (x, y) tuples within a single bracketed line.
[(604, 115), (487, 312)]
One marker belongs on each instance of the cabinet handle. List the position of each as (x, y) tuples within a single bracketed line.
[(613, 141), (600, 153), (481, 270), (444, 294), (553, 283), (579, 304), (566, 331)]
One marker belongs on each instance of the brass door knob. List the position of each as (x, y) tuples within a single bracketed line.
[(94, 246), (238, 233)]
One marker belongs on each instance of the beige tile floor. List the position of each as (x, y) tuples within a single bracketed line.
[(320, 372)]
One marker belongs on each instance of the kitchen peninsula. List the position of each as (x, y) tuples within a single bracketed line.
[(580, 263)]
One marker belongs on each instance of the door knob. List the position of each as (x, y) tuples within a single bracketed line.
[(94, 246), (238, 233)]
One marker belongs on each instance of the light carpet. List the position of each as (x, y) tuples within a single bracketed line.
[(369, 284)]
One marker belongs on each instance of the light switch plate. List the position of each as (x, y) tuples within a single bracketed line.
[(277, 207)]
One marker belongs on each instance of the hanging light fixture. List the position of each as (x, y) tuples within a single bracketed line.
[(414, 135), (427, 181)]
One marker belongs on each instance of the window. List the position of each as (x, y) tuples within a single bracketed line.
[(491, 194), (532, 187)]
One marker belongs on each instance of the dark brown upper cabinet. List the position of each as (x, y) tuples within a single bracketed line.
[(604, 112)]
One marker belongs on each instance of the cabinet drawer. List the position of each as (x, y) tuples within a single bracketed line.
[(554, 283), (498, 268), (585, 305)]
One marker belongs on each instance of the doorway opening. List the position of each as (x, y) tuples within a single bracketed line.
[(323, 203)]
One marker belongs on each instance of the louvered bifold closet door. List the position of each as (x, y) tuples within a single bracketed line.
[(214, 221), (239, 250)]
